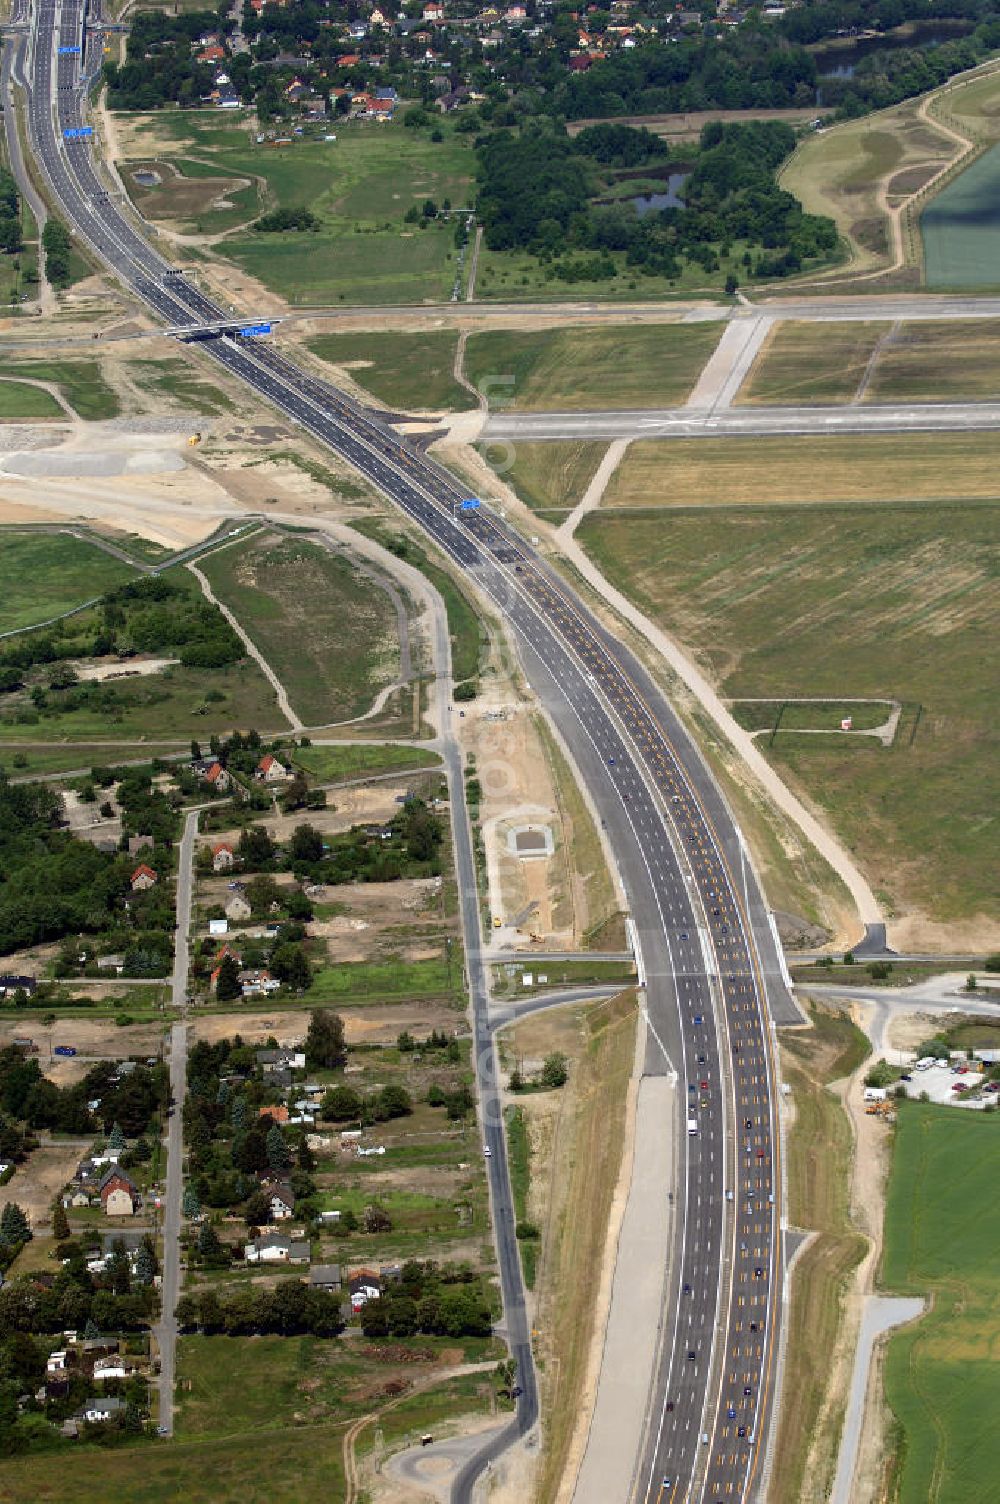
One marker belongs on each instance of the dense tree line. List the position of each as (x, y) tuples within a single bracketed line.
[(131, 1104), (230, 1143), (56, 885), (10, 213), (147, 615), (161, 68), (57, 245), (746, 69), (75, 1298), (290, 1309), (537, 195), (286, 219), (438, 1300)]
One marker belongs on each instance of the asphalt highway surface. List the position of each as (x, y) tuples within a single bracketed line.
[(709, 964)]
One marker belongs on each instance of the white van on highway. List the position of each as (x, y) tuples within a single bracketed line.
[(692, 1125)]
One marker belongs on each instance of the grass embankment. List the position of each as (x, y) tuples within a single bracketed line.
[(408, 372), (44, 574), (328, 633), (882, 600), (359, 187), (19, 400), (225, 1468), (282, 1412), (80, 382), (603, 926), (468, 635), (818, 1164), (806, 470), (942, 1228), (178, 380), (330, 764), (549, 478), (519, 1166), (590, 1138), (648, 365), (849, 171)]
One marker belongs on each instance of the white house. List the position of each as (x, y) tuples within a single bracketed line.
[(277, 1248)]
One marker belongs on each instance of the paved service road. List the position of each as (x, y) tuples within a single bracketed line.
[(166, 1332), (709, 961)]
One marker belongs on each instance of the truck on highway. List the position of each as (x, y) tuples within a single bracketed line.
[(692, 1125)]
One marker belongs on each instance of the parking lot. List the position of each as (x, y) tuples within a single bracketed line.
[(940, 1081)]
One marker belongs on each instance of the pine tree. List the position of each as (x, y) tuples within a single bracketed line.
[(14, 1227), (60, 1223), (227, 983), (190, 1205), (325, 1040), (238, 1115), (278, 1156), (145, 1265), (90, 1331), (116, 1138)]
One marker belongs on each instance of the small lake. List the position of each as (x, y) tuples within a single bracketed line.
[(145, 178), (961, 228), (649, 203), (841, 61)]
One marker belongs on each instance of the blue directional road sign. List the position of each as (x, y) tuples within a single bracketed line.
[(69, 51), (251, 331), (472, 505), (78, 132)]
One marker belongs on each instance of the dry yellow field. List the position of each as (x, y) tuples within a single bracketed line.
[(811, 362), (806, 469)]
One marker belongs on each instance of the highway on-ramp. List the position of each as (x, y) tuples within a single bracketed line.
[(710, 969)]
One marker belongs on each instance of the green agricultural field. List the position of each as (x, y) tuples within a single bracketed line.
[(893, 601), (647, 365), (353, 760), (806, 469), (19, 400), (383, 981), (360, 186), (45, 574), (80, 382), (803, 362), (959, 228), (942, 1379), (547, 477), (408, 372), (329, 634)]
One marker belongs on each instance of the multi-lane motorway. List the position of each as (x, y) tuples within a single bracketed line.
[(709, 956)]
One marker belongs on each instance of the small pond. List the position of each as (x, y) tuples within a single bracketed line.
[(648, 203)]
